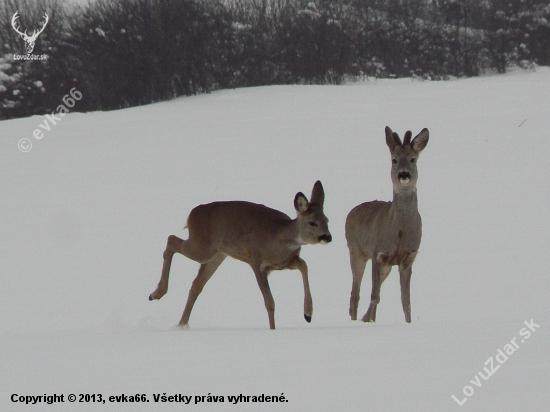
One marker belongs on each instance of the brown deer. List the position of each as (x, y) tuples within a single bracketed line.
[(388, 233), (264, 238)]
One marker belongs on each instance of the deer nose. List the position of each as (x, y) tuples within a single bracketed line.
[(325, 238), (403, 175)]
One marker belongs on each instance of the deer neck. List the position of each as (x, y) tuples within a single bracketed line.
[(290, 235), (405, 202)]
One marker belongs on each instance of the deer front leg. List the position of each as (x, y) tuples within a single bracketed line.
[(261, 278), (405, 280), (357, 269), (300, 264), (205, 273), (405, 272), (173, 245), (379, 273)]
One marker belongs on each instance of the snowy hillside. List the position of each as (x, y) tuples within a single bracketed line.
[(86, 213)]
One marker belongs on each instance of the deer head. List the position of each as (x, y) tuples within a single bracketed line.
[(404, 155), (312, 222), (29, 40)]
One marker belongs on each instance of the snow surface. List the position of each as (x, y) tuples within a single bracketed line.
[(86, 214)]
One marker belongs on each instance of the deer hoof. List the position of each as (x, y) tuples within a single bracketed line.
[(151, 297), (307, 318)]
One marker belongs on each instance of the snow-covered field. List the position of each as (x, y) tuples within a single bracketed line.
[(86, 213)]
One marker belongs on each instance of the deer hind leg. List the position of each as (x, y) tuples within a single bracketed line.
[(261, 278), (300, 264), (383, 276), (405, 272), (205, 273), (379, 273), (190, 248), (357, 269)]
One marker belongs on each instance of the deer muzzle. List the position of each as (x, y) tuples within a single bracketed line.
[(325, 238), (404, 177)]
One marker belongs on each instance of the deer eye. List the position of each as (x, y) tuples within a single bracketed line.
[(394, 161), (313, 224), (413, 160)]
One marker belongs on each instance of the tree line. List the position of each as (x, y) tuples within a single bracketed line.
[(122, 53)]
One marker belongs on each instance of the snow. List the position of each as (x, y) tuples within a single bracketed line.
[(86, 213)]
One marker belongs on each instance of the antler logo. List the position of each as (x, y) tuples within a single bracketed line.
[(29, 40)]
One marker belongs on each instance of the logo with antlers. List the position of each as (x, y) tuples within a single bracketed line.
[(29, 40)]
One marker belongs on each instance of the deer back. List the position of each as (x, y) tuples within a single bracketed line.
[(255, 233)]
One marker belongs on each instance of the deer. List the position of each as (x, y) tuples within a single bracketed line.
[(388, 233), (265, 238), (29, 40)]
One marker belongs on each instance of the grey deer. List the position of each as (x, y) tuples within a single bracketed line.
[(388, 233), (264, 238)]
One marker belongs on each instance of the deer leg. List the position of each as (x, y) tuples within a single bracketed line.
[(187, 248), (357, 269), (405, 279), (383, 276), (205, 273), (300, 264), (405, 272), (379, 271), (172, 246), (261, 278)]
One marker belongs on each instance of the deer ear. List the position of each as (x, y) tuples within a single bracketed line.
[(318, 194), (392, 139), (421, 140), (301, 203), (389, 138)]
